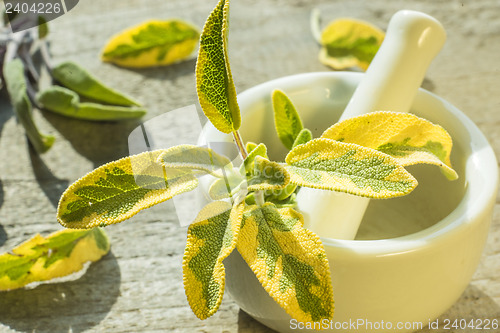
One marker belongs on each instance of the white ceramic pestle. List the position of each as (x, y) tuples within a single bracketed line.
[(391, 82)]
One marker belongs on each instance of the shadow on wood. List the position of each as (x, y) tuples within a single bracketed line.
[(3, 235), (73, 306)]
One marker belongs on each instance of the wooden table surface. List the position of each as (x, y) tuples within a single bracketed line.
[(138, 286)]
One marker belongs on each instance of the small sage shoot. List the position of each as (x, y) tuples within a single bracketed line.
[(152, 43), (74, 77), (254, 205), (347, 43), (42, 259), (17, 87)]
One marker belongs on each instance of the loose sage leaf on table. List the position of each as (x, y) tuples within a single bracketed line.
[(406, 137), (78, 79), (349, 43), (16, 86), (152, 43), (118, 190), (214, 82), (347, 167), (60, 254), (286, 119), (67, 103), (209, 242), (289, 261)]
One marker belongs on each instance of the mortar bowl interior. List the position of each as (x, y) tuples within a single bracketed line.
[(413, 256)]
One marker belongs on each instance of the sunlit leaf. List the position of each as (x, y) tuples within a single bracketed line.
[(209, 242), (289, 261), (349, 43), (249, 162), (347, 167), (214, 82), (267, 175), (190, 157), (304, 137), (16, 86), (152, 43), (42, 259), (118, 190), (78, 79), (286, 119), (406, 137), (226, 187)]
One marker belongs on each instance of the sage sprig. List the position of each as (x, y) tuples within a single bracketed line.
[(255, 204)]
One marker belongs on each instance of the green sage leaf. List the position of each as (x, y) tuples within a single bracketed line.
[(214, 82), (42, 259), (16, 86), (118, 190), (289, 261), (346, 167), (209, 242), (75, 77), (67, 103), (248, 164), (152, 43), (304, 137), (267, 175), (286, 119)]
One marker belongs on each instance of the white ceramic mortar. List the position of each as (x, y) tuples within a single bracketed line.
[(423, 248)]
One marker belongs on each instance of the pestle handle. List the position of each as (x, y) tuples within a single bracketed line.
[(396, 72), (391, 82)]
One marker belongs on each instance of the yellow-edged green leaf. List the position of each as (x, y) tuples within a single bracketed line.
[(406, 137), (42, 259), (214, 82), (349, 43), (152, 43), (192, 157), (286, 119), (118, 190), (304, 136), (209, 242), (347, 167), (267, 175), (250, 146), (289, 261)]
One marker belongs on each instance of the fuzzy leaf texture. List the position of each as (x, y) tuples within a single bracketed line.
[(304, 137), (42, 259), (347, 167), (406, 137), (152, 43), (209, 242), (190, 157), (214, 82), (286, 119), (67, 103), (118, 190), (267, 175), (289, 261), (75, 77), (349, 43), (16, 86)]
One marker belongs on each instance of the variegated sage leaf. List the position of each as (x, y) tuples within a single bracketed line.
[(16, 86), (214, 82), (406, 137), (42, 259), (304, 137), (190, 157), (286, 119), (289, 261), (227, 187), (78, 79), (118, 190), (349, 43), (209, 242), (248, 164), (152, 43), (267, 175), (347, 167)]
